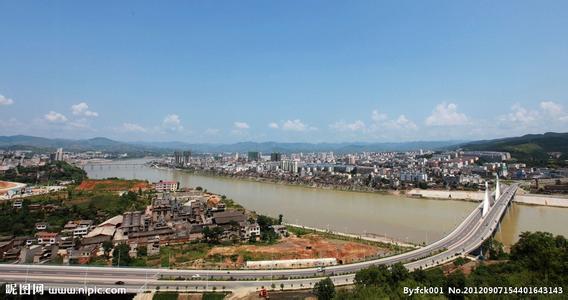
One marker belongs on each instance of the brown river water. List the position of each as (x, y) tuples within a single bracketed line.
[(402, 218)]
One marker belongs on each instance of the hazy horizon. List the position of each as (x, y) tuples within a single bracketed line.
[(322, 71)]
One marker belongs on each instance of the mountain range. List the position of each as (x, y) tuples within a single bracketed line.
[(531, 148), (527, 147), (108, 145)]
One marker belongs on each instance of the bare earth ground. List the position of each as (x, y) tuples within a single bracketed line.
[(307, 246), (5, 185), (113, 185), (468, 267), (288, 295)]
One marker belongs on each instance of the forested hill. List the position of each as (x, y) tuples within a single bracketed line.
[(534, 149)]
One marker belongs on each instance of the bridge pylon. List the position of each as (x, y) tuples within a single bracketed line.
[(485, 208), (497, 187)]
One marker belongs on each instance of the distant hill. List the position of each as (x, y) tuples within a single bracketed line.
[(531, 148), (25, 142), (268, 147)]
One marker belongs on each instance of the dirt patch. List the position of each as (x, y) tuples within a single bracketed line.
[(113, 185), (307, 246), (468, 267), (6, 185), (277, 295)]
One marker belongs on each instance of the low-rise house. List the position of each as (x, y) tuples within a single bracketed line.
[(96, 240), (166, 186), (66, 243), (133, 221), (280, 229), (30, 254), (165, 233), (251, 230), (229, 217), (47, 238), (133, 252), (106, 231), (41, 226), (153, 246), (12, 254), (5, 246), (81, 256)]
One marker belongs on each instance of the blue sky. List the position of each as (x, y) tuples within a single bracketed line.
[(316, 71)]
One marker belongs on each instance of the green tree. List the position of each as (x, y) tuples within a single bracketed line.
[(398, 273), (142, 251), (325, 289), (120, 255), (455, 280), (212, 235), (374, 275), (107, 248), (539, 251)]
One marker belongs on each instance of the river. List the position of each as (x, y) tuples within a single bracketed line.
[(402, 218)]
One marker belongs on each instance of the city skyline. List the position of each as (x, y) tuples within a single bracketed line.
[(305, 72)]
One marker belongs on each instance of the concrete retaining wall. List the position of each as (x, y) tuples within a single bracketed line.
[(531, 199)]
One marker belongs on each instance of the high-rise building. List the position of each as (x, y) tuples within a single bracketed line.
[(182, 158), (254, 156), (289, 166), (275, 156), (350, 159), (57, 155)]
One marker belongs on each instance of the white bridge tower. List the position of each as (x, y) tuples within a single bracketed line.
[(485, 200), (497, 188)]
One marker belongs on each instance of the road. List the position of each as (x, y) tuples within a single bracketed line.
[(468, 236)]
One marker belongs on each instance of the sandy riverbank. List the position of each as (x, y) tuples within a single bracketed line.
[(521, 197), (473, 196)]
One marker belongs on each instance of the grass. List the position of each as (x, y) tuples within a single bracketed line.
[(231, 204), (303, 231), (165, 296), (172, 254), (98, 261), (214, 296)]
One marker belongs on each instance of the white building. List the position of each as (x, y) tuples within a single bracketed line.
[(166, 186)]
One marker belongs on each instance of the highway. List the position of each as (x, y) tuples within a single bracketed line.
[(467, 237)]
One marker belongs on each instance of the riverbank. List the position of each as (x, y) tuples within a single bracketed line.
[(367, 236), (470, 196), (522, 198), (286, 183)]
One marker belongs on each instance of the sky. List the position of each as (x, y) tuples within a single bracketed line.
[(288, 71)]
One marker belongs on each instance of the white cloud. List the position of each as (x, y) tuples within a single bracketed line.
[(5, 101), (241, 125), (382, 121), (273, 125), (446, 115), (521, 115), (401, 123), (344, 126), (296, 125), (377, 116), (82, 109), (132, 127), (55, 117), (172, 122), (554, 110)]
